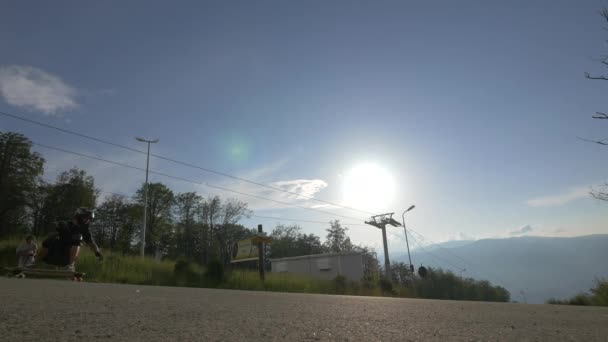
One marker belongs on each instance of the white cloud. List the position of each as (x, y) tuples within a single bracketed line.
[(521, 231), (305, 187), (112, 178), (324, 206), (34, 89), (460, 236), (262, 175), (572, 195)]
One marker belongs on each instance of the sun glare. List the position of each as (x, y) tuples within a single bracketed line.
[(368, 187)]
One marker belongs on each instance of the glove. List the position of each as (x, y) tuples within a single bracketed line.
[(99, 256)]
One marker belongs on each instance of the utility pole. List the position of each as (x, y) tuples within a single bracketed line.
[(261, 253), (143, 231), (380, 222), (406, 241)]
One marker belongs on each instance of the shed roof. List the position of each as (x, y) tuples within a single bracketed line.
[(315, 256)]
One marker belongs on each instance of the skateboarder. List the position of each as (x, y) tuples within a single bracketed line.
[(26, 252), (62, 248)]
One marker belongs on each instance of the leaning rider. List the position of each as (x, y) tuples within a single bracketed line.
[(62, 248)]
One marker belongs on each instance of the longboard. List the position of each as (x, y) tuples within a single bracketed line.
[(23, 272)]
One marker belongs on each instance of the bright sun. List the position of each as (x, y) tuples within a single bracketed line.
[(368, 187)]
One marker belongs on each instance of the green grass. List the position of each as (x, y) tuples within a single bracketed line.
[(135, 270), (285, 282), (8, 258), (114, 269), (250, 280), (126, 270)]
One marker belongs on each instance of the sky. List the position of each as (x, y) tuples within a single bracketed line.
[(470, 110)]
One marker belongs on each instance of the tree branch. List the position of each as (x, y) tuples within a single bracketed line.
[(603, 78), (600, 194), (599, 115), (601, 142)]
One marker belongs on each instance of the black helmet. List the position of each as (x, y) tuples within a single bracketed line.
[(83, 214)]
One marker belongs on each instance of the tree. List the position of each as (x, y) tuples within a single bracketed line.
[(229, 231), (601, 192), (439, 284), (19, 171), (337, 241), (73, 189), (116, 224), (159, 217), (219, 228), (401, 274), (210, 212), (288, 241), (187, 210), (37, 203)]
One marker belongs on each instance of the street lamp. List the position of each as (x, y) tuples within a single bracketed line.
[(143, 231), (406, 241)]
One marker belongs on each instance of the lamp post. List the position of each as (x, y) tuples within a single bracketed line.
[(406, 241), (143, 231)]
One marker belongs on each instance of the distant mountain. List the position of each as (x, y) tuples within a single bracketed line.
[(451, 244), (532, 268)]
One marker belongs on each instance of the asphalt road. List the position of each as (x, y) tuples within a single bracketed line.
[(56, 310)]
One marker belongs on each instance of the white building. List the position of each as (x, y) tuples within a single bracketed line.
[(323, 266)]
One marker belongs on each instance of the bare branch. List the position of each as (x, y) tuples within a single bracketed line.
[(599, 115), (600, 193), (604, 78), (601, 142)]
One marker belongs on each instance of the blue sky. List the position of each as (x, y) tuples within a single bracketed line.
[(472, 107)]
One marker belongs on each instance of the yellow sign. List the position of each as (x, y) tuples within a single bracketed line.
[(244, 250)]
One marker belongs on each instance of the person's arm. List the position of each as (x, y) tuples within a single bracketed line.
[(21, 250), (92, 245)]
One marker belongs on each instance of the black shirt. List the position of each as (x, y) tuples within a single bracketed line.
[(69, 230)]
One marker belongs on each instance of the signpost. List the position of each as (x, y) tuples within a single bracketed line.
[(251, 249), (244, 250)]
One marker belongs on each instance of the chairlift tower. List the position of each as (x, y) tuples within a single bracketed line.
[(380, 222)]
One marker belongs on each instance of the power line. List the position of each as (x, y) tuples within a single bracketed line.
[(52, 182), (305, 221), (189, 180), (113, 162), (178, 162), (438, 246), (433, 256), (49, 181), (280, 202), (434, 261), (468, 263)]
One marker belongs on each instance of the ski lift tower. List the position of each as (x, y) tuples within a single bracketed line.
[(380, 222)]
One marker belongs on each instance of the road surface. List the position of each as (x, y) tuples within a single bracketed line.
[(55, 310)]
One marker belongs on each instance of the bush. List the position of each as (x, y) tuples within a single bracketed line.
[(339, 284), (386, 286), (214, 274), (600, 293), (187, 273), (580, 299), (598, 296)]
